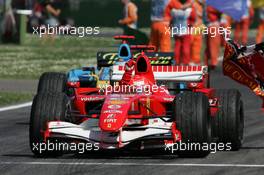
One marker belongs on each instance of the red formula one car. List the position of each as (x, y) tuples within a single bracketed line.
[(141, 113), (244, 64)]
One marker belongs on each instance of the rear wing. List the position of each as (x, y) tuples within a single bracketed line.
[(107, 59), (169, 73)]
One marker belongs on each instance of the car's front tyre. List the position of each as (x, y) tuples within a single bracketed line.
[(46, 107)]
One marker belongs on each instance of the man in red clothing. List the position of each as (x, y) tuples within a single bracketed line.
[(213, 42), (261, 26), (159, 37), (182, 16), (197, 36)]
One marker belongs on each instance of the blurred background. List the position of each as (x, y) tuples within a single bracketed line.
[(103, 13)]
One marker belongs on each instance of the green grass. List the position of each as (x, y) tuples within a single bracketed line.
[(39, 55), (8, 98)]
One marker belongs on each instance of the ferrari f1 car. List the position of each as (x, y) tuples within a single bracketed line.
[(139, 114), (244, 64)]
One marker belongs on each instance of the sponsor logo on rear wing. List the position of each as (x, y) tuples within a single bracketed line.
[(106, 59)]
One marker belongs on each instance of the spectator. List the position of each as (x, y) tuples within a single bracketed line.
[(130, 16), (213, 41), (159, 37), (182, 15), (50, 13), (129, 23), (8, 23), (242, 26), (261, 26), (225, 22), (36, 19), (197, 37)]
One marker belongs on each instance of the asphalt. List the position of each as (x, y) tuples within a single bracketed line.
[(16, 157), (29, 86)]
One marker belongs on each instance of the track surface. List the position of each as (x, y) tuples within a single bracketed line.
[(16, 158), (18, 85)]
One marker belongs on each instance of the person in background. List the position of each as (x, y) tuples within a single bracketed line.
[(225, 22), (36, 20), (130, 16), (8, 25), (182, 16), (159, 37), (213, 41), (129, 23), (261, 26), (197, 37), (242, 26), (50, 18), (50, 13)]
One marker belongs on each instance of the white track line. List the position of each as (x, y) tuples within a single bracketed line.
[(134, 164), (9, 108)]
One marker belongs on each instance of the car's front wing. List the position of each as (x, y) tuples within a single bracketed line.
[(90, 132)]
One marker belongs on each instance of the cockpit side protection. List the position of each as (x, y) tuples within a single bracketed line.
[(124, 52)]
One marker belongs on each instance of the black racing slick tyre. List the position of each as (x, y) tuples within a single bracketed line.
[(46, 107), (228, 125), (191, 111), (52, 82)]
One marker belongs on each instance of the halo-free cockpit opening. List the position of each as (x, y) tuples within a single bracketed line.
[(142, 65)]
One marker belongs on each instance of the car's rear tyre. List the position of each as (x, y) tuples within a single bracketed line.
[(192, 117), (46, 107), (52, 82), (228, 125)]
